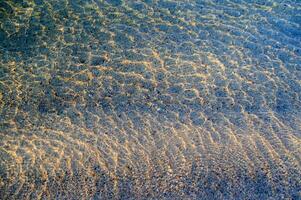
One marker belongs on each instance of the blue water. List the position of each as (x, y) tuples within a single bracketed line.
[(150, 99)]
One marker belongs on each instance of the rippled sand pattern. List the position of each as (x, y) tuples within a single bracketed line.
[(150, 99)]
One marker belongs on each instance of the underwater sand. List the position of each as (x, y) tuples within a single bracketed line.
[(150, 99)]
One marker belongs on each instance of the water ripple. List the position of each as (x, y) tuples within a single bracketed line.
[(150, 99)]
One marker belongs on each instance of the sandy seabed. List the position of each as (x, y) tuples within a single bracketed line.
[(150, 99)]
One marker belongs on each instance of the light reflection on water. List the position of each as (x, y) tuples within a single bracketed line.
[(150, 99)]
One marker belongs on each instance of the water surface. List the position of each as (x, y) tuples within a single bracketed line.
[(150, 99)]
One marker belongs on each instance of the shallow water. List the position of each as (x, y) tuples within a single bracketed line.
[(150, 99)]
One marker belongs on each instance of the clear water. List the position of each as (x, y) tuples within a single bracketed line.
[(150, 99)]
